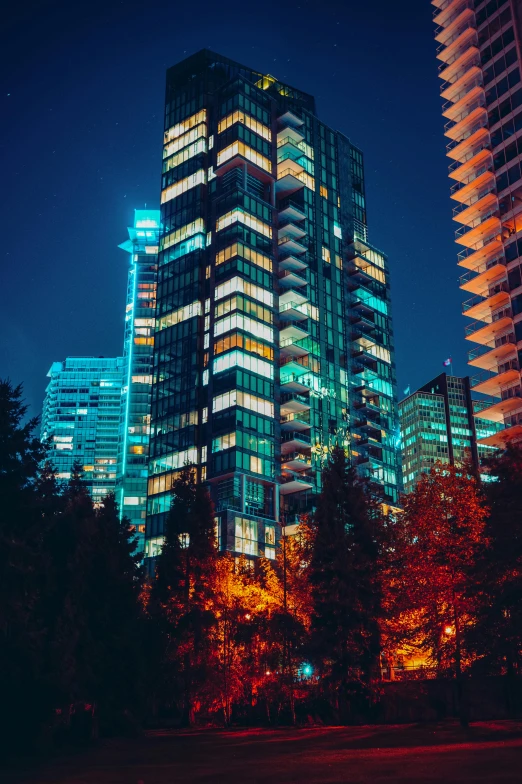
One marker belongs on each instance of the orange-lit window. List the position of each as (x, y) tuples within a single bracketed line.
[(323, 191), (326, 254)]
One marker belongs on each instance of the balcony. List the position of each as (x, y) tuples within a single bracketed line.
[(291, 279), (483, 227), (298, 422), (296, 461), (468, 98), (294, 306), (480, 280), (290, 246), (452, 72), (291, 348), (477, 138), (468, 214), (290, 120), (469, 170), (291, 177), (482, 333), (479, 183), (474, 259), (460, 42), (474, 117), (294, 483), (292, 403), (295, 442), (292, 263), (296, 330), (452, 19), (296, 382), (290, 211), (487, 384), (512, 432), (494, 353), (481, 307), (468, 78), (511, 402)]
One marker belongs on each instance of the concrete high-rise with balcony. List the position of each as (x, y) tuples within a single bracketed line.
[(140, 311), (273, 325), (80, 420), (479, 49)]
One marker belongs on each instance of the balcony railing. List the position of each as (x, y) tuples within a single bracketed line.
[(476, 300), (502, 340), (480, 103), (455, 142), (455, 15), (486, 375), (477, 82), (467, 252), (457, 164), (475, 326), (458, 186), (474, 199), (460, 232)]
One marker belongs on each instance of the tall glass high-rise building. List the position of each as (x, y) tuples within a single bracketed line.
[(441, 423), (480, 66), (80, 420), (134, 434), (273, 325)]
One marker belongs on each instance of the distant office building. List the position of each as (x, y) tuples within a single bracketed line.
[(438, 424), (273, 335), (480, 45), (80, 419), (134, 434)]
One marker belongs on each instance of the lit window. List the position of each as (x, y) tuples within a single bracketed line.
[(240, 285), (183, 141), (326, 254), (323, 191), (239, 148), (239, 321), (172, 191), (184, 540), (196, 227), (179, 315), (245, 536), (246, 361), (246, 119), (270, 553), (238, 215), (177, 130), (224, 442), (238, 249)]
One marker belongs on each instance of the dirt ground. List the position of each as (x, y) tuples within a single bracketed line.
[(488, 752)]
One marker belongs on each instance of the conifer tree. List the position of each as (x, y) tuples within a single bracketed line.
[(181, 594), (496, 637), (24, 702), (345, 584)]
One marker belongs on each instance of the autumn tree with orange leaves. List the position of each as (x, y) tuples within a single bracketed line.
[(437, 541)]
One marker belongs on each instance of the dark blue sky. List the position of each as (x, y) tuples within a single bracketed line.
[(81, 105)]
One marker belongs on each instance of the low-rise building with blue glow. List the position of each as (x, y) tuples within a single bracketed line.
[(80, 420)]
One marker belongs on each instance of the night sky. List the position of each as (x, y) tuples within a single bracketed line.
[(81, 105)]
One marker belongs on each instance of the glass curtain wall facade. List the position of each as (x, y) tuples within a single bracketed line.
[(479, 49), (273, 336), (140, 310), (80, 420), (440, 422)]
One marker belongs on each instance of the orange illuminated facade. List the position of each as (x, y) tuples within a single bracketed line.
[(479, 54)]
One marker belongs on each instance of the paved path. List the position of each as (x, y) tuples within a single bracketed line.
[(488, 752)]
